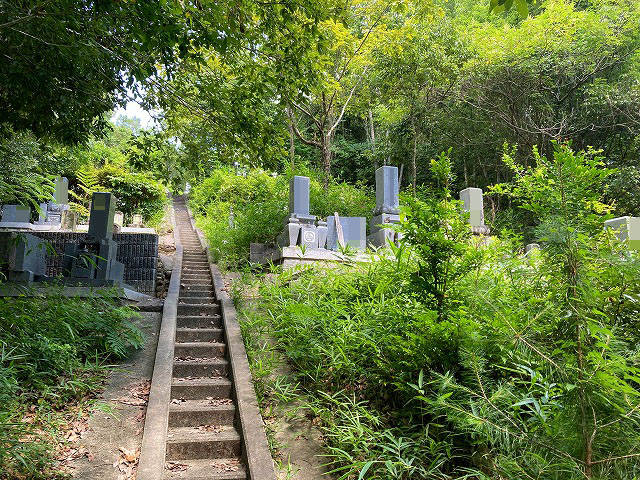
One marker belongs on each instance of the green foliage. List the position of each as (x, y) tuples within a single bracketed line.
[(529, 370), (69, 61), (51, 351), (152, 153), (22, 180), (259, 203), (440, 237), (136, 192)]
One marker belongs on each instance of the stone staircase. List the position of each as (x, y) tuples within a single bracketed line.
[(203, 440)]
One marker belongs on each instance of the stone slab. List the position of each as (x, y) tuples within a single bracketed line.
[(354, 231), (16, 214)]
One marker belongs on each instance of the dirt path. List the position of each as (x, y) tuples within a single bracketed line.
[(115, 430)]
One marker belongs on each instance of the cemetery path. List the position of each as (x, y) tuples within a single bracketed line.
[(206, 432)]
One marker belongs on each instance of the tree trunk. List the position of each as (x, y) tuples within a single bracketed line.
[(372, 138), (326, 160), (292, 145), (414, 169)]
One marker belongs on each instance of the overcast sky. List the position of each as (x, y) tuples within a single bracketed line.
[(134, 110)]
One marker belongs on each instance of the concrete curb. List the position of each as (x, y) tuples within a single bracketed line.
[(256, 453), (154, 438)]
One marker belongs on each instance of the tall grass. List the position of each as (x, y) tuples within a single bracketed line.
[(53, 351)]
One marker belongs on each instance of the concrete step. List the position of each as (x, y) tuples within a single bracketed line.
[(196, 300), (198, 335), (196, 287), (200, 349), (188, 443), (196, 321), (206, 367), (193, 413), (187, 292), (187, 274), (213, 309), (204, 268), (221, 469), (195, 265), (197, 388), (195, 282)]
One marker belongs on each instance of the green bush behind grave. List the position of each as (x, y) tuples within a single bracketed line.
[(260, 206), (136, 192)]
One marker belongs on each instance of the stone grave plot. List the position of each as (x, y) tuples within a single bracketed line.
[(23, 256), (138, 252), (93, 260)]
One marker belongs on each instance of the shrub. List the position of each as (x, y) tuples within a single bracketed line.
[(260, 206), (520, 367), (136, 192)]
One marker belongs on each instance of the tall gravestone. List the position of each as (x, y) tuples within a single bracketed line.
[(299, 199), (626, 228), (300, 228), (387, 207), (93, 260), (473, 203), (61, 196)]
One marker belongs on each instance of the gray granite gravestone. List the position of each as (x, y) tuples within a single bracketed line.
[(299, 217), (62, 191), (354, 230), (473, 203), (387, 207), (93, 260), (387, 190), (299, 188), (626, 228), (22, 256), (16, 214)]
